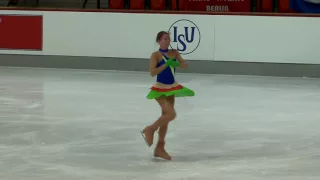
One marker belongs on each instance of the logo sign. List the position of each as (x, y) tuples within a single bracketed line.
[(185, 36), (313, 1), (23, 32)]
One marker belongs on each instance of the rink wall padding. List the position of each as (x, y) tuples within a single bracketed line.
[(198, 66)]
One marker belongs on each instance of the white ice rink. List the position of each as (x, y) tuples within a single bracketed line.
[(84, 125)]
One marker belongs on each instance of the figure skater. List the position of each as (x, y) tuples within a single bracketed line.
[(162, 64)]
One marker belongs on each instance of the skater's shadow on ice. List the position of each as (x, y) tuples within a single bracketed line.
[(189, 158), (194, 158)]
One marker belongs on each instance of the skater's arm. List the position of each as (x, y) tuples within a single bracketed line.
[(183, 63), (153, 66)]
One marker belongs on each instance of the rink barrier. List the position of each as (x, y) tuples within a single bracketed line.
[(227, 43), (161, 12)]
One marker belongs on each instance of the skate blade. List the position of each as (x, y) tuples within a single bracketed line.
[(144, 137)]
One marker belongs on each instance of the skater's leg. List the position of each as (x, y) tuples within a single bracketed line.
[(160, 148), (168, 115), (168, 112), (164, 128), (163, 132)]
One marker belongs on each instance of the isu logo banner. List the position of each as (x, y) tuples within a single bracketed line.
[(306, 6), (218, 5), (21, 32)]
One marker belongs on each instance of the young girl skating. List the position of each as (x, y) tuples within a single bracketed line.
[(163, 64)]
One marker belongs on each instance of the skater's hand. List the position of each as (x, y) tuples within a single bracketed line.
[(184, 65), (175, 64), (169, 61), (172, 62)]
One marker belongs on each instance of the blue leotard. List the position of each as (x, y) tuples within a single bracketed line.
[(166, 76)]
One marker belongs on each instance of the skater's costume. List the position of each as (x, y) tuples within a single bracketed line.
[(166, 84)]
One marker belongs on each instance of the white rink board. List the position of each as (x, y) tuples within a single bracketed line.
[(267, 39), (119, 35), (215, 37)]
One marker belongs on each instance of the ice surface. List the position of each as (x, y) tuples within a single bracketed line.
[(84, 125)]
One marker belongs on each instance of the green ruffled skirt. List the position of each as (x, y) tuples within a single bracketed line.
[(178, 91)]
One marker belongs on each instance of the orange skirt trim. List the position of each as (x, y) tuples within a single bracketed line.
[(166, 89)]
